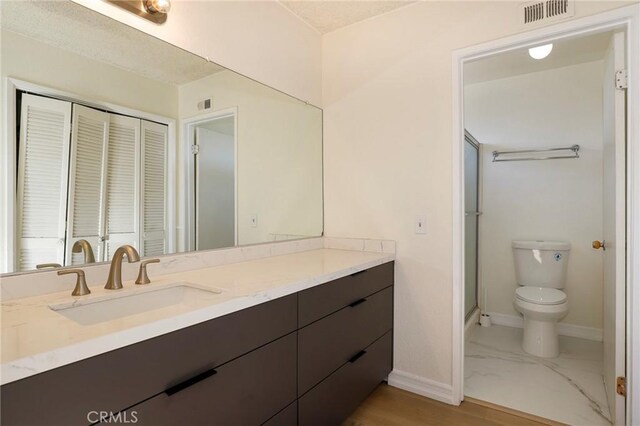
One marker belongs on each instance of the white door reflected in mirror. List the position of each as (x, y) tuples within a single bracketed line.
[(215, 183)]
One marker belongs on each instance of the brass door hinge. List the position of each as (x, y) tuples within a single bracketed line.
[(621, 386)]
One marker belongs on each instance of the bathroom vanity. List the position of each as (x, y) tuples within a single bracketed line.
[(301, 351), (252, 316)]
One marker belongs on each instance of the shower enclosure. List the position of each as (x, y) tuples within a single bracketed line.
[(471, 216)]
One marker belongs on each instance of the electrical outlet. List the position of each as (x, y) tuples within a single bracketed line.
[(253, 221), (420, 224)]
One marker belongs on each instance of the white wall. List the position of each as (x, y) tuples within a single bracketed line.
[(541, 200), (387, 94), (30, 60), (260, 39), (279, 155)]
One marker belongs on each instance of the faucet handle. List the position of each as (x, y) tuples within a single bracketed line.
[(81, 288), (143, 278)]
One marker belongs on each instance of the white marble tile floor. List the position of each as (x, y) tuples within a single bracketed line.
[(568, 389)]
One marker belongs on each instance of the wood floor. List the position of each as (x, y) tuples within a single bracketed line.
[(389, 406)]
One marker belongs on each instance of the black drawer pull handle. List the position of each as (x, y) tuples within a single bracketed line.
[(358, 273), (357, 356), (190, 382), (357, 302)]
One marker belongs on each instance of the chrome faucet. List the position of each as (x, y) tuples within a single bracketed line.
[(83, 246), (114, 282)]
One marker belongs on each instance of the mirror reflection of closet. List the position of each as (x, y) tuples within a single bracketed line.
[(81, 196), (128, 104)]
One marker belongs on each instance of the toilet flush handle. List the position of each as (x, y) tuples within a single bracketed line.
[(599, 245)]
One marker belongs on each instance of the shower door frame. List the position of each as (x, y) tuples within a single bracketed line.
[(468, 137), (626, 18)]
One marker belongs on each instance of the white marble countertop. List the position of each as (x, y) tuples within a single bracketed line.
[(36, 338)]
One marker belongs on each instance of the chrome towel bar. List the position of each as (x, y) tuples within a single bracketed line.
[(573, 154)]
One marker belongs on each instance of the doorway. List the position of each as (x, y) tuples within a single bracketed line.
[(213, 181), (550, 155), (611, 21)]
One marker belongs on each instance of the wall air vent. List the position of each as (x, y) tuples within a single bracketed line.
[(545, 11), (556, 8), (533, 12)]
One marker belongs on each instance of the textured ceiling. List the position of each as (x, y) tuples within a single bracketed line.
[(69, 26), (329, 15), (565, 52)]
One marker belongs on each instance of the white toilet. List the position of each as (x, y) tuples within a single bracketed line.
[(541, 271)]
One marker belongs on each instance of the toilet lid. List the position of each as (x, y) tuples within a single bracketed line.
[(541, 295)]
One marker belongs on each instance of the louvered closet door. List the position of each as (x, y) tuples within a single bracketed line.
[(42, 181), (123, 183), (87, 173), (154, 188)]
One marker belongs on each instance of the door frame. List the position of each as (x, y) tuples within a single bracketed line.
[(188, 134), (628, 19)]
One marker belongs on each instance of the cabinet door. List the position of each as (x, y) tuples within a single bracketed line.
[(322, 300), (337, 396), (286, 417), (122, 378), (328, 343), (246, 391)]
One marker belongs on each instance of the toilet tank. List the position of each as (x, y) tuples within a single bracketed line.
[(541, 263)]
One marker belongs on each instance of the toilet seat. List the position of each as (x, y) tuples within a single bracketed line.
[(541, 295)]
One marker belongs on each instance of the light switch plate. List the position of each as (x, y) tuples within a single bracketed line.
[(420, 224), (253, 220)]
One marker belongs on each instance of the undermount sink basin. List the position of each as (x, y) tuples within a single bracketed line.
[(112, 307)]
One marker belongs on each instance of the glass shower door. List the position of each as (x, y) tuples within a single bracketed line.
[(471, 170)]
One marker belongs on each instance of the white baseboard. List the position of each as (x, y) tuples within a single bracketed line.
[(571, 330), (430, 388), (473, 320), (506, 320)]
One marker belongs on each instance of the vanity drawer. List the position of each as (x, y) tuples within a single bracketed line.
[(336, 397), (246, 391), (121, 378), (324, 299), (328, 343), (286, 417)]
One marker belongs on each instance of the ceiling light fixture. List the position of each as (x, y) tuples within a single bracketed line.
[(541, 52), (152, 10)]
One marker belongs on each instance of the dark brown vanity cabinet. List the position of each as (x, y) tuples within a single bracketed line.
[(345, 344), (337, 396), (245, 391), (117, 380), (307, 358)]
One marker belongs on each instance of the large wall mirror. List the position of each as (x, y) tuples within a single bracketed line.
[(114, 137)]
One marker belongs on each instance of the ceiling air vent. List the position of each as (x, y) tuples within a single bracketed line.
[(545, 11)]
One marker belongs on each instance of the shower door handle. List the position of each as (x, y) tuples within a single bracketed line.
[(472, 213)]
